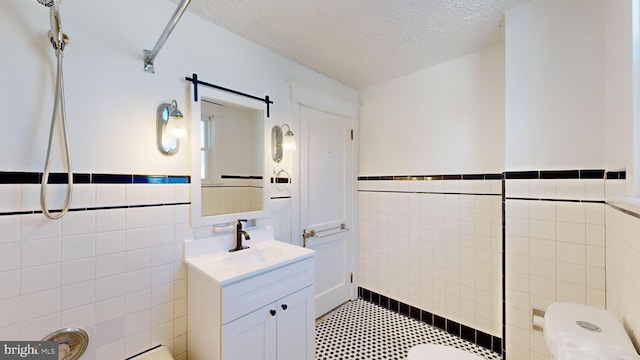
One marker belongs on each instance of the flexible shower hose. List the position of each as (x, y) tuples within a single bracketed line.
[(58, 106)]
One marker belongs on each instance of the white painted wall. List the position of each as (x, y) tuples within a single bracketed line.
[(447, 119), (619, 88), (555, 85), (111, 102), (119, 272)]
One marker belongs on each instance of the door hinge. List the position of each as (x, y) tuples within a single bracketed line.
[(352, 278), (351, 134)]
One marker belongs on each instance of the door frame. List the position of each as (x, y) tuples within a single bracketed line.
[(304, 96)]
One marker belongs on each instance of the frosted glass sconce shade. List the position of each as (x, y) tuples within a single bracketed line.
[(280, 142), (171, 127), (288, 141)]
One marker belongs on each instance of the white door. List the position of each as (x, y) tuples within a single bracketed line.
[(326, 202)]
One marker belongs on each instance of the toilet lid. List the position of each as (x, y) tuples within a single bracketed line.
[(434, 351)]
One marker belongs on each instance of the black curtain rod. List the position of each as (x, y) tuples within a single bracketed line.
[(194, 79)]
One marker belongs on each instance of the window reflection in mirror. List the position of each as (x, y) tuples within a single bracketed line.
[(231, 159)]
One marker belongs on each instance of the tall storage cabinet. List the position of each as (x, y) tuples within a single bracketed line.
[(269, 316)]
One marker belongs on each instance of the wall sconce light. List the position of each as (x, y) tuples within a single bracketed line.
[(280, 142), (171, 127)]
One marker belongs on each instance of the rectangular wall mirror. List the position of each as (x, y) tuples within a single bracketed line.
[(228, 159)]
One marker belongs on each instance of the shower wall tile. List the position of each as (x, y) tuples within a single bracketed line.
[(138, 217), (96, 267), (83, 316), (11, 284), (165, 273), (110, 265), (110, 287), (111, 350), (31, 329), (29, 197), (110, 242), (77, 295), (39, 278), (39, 304), (110, 195), (10, 226), (162, 215), (40, 252), (163, 193), (110, 220), (137, 341), (110, 309), (77, 247), (139, 194), (10, 312), (84, 196), (135, 323), (33, 227), (182, 193), (10, 195), (10, 256), (137, 280), (138, 238)]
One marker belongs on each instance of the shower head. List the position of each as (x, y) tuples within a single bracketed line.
[(57, 37), (48, 3)]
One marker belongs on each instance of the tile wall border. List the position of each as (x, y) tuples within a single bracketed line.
[(580, 174), (454, 328), (16, 177), (508, 175), (19, 178)]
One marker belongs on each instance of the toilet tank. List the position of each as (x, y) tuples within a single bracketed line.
[(576, 331)]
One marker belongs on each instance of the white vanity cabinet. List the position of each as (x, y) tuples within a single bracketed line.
[(269, 315), (277, 331)]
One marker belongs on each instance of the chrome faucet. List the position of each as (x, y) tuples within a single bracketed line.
[(239, 234)]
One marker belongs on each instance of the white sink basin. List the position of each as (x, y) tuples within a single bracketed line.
[(251, 256), (226, 267)]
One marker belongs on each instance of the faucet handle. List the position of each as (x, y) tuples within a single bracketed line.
[(239, 223)]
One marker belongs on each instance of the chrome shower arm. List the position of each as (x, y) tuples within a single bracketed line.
[(150, 55)]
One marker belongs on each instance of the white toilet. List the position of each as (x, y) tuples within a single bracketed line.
[(575, 331), (439, 352), (159, 353)]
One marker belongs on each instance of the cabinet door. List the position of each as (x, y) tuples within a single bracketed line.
[(296, 326), (252, 336)]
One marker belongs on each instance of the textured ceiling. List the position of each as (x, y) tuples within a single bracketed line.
[(363, 42)]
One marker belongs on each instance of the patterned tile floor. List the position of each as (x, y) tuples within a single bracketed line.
[(364, 331)]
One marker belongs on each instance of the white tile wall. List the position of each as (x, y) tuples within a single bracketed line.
[(554, 252), (623, 269), (281, 220), (438, 252), (117, 273)]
